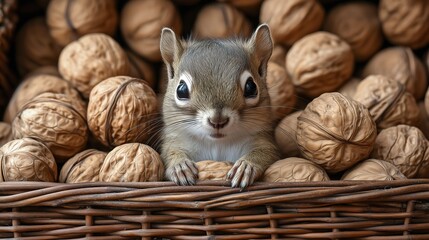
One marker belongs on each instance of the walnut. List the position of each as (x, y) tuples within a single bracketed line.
[(279, 55), (35, 47), (405, 22), (349, 88), (122, 110), (140, 68), (220, 20), (423, 171), (319, 62), (400, 64), (83, 167), (291, 20), (45, 70), (68, 20), (404, 146), (373, 169), (285, 135), (424, 115), (142, 22), (132, 162), (57, 120), (281, 91), (27, 160), (213, 170), (90, 60), (423, 124), (250, 7), (34, 85), (5, 133), (357, 23), (388, 102), (294, 170), (335, 132)]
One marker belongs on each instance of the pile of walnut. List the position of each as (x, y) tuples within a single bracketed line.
[(347, 82)]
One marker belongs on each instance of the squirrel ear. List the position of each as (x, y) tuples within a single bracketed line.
[(261, 47), (171, 49)]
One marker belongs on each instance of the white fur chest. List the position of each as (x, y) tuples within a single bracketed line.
[(219, 150)]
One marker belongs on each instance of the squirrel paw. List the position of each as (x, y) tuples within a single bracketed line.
[(242, 174), (183, 173)]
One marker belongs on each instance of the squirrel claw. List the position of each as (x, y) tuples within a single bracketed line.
[(242, 174), (184, 173)]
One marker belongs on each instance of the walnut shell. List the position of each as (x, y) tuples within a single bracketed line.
[(57, 120), (279, 54), (291, 20), (335, 132), (388, 102), (319, 62), (424, 127), (357, 23), (220, 20), (5, 133), (424, 119), (349, 88), (405, 22), (285, 135), (250, 7), (83, 167), (400, 64), (424, 115), (294, 169), (122, 110), (140, 68), (132, 162), (35, 47), (34, 85), (69, 20), (281, 91), (423, 171), (91, 59), (213, 170), (45, 70), (403, 146), (142, 22), (27, 160), (373, 169)]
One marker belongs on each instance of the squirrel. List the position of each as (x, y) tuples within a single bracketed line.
[(217, 106)]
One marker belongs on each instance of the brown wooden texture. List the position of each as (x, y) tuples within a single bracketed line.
[(382, 210)]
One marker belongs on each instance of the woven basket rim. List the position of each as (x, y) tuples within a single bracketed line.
[(23, 185), (395, 209)]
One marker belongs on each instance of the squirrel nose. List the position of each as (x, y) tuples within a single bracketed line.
[(218, 122)]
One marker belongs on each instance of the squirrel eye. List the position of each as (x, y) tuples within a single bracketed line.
[(182, 90), (250, 88)]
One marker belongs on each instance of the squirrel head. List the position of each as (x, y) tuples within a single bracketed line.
[(217, 87)]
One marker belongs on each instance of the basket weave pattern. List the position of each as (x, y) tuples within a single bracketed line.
[(213, 210)]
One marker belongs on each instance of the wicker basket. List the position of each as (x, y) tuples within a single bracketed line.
[(385, 210)]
